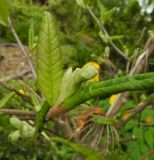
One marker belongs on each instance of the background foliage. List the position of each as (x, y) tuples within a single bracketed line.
[(128, 24)]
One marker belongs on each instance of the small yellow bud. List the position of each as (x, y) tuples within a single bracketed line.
[(112, 99), (21, 91), (96, 65)]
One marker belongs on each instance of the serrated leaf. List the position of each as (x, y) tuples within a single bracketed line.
[(49, 59), (148, 136), (5, 99), (4, 11)]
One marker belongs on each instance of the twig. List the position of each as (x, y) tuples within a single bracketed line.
[(120, 100), (148, 154), (142, 35), (101, 26), (142, 124), (23, 96), (18, 112), (139, 108), (9, 44), (114, 45), (15, 75), (25, 118), (125, 139), (64, 122), (21, 47), (30, 89)]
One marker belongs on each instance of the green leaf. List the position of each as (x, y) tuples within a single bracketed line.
[(31, 38), (36, 102), (106, 14), (138, 133), (148, 136), (90, 154), (143, 148), (41, 116), (49, 59), (4, 12), (5, 99), (133, 150)]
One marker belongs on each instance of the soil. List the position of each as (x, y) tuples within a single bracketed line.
[(11, 60)]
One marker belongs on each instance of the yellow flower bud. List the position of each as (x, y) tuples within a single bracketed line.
[(96, 65), (112, 99), (21, 91)]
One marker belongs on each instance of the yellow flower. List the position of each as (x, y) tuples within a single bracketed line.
[(21, 91), (96, 65), (148, 119), (112, 99)]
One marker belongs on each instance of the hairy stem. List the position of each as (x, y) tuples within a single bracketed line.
[(118, 85)]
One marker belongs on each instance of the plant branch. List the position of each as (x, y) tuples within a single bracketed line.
[(146, 155), (21, 47), (139, 108), (92, 92), (18, 112), (137, 68), (104, 89), (15, 75), (125, 139), (23, 96), (101, 26)]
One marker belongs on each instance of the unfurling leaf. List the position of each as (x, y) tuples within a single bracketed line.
[(49, 59), (72, 81)]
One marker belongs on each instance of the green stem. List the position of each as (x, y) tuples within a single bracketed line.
[(118, 80), (86, 151), (109, 87), (40, 117)]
